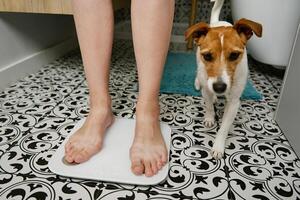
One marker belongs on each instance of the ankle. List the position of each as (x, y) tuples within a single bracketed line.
[(103, 109), (101, 104), (98, 111), (148, 109), (102, 116), (153, 102)]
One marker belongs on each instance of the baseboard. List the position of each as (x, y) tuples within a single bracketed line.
[(32, 63)]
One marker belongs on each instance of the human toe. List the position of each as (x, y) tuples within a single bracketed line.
[(164, 158), (159, 164), (81, 156), (154, 166), (68, 146), (148, 169), (137, 167), (69, 157)]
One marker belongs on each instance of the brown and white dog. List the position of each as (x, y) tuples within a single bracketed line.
[(222, 67)]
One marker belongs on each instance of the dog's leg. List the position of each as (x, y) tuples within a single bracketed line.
[(230, 112), (209, 116)]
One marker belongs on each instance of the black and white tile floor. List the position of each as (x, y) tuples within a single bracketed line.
[(37, 113)]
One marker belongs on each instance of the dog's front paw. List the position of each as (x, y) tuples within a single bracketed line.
[(209, 121), (218, 149)]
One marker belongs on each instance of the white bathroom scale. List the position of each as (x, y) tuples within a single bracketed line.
[(112, 163)]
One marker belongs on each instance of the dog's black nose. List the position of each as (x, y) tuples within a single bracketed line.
[(219, 87)]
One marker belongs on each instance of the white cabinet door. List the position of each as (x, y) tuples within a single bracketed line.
[(288, 110)]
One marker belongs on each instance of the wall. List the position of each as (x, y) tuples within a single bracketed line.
[(23, 36), (288, 110)]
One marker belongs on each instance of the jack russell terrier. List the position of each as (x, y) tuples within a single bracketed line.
[(222, 67)]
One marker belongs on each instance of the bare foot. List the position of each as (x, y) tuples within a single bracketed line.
[(148, 152), (88, 139)]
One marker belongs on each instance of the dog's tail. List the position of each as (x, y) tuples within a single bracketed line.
[(215, 13)]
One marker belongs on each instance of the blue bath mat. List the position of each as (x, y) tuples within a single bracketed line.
[(179, 76)]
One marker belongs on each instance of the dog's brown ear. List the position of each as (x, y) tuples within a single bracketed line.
[(196, 31), (247, 27)]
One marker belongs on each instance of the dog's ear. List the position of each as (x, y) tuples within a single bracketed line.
[(196, 31), (245, 28)]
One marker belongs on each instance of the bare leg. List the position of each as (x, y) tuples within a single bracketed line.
[(94, 25), (151, 28)]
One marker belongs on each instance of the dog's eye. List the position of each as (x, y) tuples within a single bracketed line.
[(233, 56), (207, 57)]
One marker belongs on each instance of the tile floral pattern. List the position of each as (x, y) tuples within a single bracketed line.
[(38, 112), (182, 11)]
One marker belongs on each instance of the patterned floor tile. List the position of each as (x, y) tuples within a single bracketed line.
[(30, 152), (55, 188), (262, 169), (37, 105), (76, 104), (38, 112), (261, 163), (193, 172), (41, 82), (38, 94), (13, 127)]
